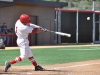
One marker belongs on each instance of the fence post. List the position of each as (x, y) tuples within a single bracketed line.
[(59, 25), (77, 14), (93, 37)]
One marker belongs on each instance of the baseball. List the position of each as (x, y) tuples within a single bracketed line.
[(88, 18)]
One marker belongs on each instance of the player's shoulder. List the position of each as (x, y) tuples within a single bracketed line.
[(31, 24), (17, 22)]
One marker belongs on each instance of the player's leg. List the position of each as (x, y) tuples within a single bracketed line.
[(8, 64), (22, 56), (33, 61), (16, 60), (30, 55), (23, 52)]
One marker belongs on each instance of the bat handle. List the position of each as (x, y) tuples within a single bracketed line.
[(50, 31)]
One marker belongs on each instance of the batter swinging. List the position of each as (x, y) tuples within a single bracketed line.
[(22, 28)]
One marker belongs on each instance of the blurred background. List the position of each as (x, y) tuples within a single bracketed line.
[(80, 4)]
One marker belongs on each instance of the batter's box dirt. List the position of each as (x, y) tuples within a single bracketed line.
[(76, 68)]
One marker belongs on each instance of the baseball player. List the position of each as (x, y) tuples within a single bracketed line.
[(22, 28)]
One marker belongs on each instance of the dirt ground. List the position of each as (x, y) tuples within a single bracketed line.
[(91, 67)]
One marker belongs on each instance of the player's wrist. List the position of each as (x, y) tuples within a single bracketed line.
[(43, 29)]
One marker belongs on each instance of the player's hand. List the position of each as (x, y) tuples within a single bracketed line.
[(43, 29)]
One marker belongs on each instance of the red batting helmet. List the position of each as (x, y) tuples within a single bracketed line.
[(24, 18)]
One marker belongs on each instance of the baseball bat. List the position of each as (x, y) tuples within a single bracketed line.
[(60, 33)]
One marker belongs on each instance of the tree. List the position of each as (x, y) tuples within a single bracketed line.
[(80, 4)]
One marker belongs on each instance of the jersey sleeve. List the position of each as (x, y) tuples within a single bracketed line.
[(28, 29), (34, 26)]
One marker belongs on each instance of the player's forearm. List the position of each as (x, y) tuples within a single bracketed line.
[(34, 26), (37, 30)]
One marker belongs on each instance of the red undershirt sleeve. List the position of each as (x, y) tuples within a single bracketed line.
[(34, 31)]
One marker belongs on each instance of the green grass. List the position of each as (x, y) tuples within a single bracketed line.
[(46, 56)]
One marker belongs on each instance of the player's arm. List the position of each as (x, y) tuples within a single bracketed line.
[(38, 30), (34, 26)]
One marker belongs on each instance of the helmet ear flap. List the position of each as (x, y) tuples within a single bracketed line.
[(24, 18)]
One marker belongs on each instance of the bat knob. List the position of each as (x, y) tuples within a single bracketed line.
[(69, 35)]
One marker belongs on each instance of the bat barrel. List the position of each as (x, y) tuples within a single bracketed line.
[(60, 33), (63, 34)]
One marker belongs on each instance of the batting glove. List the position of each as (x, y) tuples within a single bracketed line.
[(43, 29)]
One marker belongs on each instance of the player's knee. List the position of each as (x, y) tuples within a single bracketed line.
[(23, 57)]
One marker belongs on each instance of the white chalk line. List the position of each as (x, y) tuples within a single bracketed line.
[(66, 67), (90, 49), (85, 49), (81, 49), (59, 68), (74, 66)]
